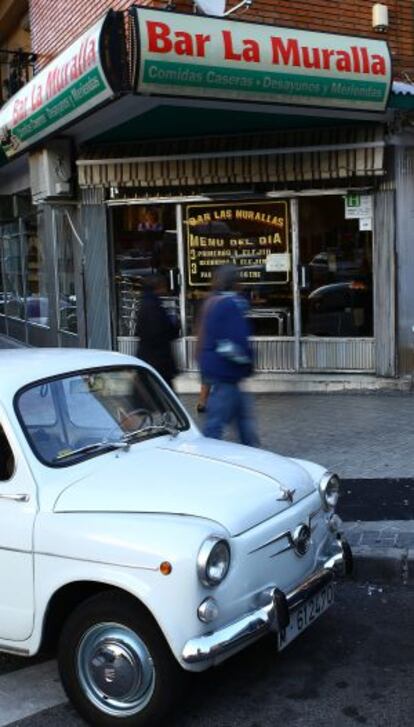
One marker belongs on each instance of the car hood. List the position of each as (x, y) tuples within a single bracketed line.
[(238, 487)]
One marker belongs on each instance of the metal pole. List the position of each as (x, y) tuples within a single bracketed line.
[(82, 272), (295, 281), (182, 281)]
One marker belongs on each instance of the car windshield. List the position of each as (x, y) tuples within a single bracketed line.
[(84, 414)]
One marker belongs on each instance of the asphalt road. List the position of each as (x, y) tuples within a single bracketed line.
[(353, 667)]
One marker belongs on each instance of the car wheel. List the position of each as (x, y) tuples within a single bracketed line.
[(115, 664)]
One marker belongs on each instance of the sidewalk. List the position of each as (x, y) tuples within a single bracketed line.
[(6, 342), (356, 435)]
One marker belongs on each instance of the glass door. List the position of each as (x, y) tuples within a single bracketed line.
[(335, 280), (71, 318), (335, 284), (145, 244)]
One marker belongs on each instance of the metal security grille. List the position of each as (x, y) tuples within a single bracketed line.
[(278, 354), (333, 354)]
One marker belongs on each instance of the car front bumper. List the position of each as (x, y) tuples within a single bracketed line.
[(272, 615)]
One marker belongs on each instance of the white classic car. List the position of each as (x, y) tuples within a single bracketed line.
[(137, 546)]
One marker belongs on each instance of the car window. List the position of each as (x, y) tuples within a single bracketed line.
[(7, 463), (84, 404), (86, 413), (38, 407)]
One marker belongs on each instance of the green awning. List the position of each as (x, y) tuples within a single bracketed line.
[(166, 121)]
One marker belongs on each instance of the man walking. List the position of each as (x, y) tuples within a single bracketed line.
[(157, 330), (226, 359)]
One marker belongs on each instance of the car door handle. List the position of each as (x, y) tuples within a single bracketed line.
[(16, 498)]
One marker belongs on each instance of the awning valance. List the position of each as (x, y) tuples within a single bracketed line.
[(289, 157)]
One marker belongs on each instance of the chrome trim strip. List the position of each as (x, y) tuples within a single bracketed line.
[(14, 650), (287, 534), (18, 497), (284, 550), (214, 647)]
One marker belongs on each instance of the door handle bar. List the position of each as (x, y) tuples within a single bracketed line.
[(16, 498)]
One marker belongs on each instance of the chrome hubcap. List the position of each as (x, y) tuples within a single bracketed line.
[(115, 669)]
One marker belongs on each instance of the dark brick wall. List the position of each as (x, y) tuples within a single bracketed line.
[(56, 23)]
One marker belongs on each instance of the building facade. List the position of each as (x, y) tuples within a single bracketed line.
[(16, 61), (264, 138)]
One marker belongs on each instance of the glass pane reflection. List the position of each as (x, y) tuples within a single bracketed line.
[(337, 297)]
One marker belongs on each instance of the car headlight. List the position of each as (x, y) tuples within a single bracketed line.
[(329, 490), (213, 561)]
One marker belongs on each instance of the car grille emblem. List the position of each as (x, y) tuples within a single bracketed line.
[(302, 539), (286, 496)]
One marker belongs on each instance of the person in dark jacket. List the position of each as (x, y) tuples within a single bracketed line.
[(226, 358), (157, 330)]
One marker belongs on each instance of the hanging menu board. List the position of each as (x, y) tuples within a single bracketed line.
[(254, 236)]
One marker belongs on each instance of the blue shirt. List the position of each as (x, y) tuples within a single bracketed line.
[(225, 354)]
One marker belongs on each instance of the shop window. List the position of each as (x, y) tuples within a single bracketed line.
[(37, 298), (254, 236), (336, 299), (23, 288), (67, 314), (145, 244), (13, 273)]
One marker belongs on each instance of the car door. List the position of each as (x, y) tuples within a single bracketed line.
[(18, 507)]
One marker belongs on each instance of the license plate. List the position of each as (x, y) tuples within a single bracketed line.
[(306, 614)]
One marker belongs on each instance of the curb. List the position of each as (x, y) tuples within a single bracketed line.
[(383, 550), (384, 565), (291, 383)]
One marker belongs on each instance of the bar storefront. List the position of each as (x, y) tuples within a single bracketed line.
[(294, 208), (305, 269)]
